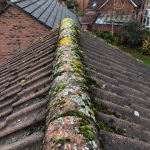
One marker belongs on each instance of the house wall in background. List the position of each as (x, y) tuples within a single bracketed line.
[(17, 31), (82, 5)]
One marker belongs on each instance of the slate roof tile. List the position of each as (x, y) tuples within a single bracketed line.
[(48, 12)]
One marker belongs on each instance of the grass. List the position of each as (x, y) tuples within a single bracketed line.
[(144, 59), (79, 13)]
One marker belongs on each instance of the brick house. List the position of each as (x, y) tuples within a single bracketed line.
[(24, 21), (82, 5), (104, 13)]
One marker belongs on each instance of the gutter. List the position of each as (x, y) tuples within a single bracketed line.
[(70, 117)]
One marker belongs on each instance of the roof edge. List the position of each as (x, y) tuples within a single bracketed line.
[(5, 8), (70, 121)]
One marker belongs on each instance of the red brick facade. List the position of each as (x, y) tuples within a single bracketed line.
[(121, 8), (17, 31), (82, 5)]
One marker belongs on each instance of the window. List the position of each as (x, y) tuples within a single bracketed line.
[(94, 4)]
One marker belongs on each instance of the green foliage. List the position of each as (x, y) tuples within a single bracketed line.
[(132, 33), (60, 140), (142, 58), (70, 3), (146, 44), (87, 132), (78, 13), (106, 36), (116, 40)]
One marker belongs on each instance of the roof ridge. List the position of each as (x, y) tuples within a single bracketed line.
[(70, 120)]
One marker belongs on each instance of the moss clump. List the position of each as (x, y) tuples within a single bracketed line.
[(87, 132), (78, 67), (104, 126), (126, 106), (60, 140), (40, 126), (60, 86), (104, 109)]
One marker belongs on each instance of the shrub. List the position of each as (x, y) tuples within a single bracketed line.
[(106, 36), (116, 40), (132, 33), (146, 44)]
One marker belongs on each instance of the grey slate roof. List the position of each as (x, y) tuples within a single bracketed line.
[(49, 12)]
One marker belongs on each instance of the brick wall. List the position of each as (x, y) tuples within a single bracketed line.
[(82, 5), (17, 31)]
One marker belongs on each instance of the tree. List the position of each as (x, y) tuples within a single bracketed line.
[(70, 3), (132, 33)]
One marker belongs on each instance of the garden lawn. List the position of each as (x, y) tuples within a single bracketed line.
[(79, 13)]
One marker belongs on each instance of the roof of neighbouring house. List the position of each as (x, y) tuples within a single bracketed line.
[(117, 19), (98, 4), (88, 19), (117, 85), (48, 12)]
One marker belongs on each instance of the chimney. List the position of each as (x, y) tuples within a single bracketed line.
[(3, 3)]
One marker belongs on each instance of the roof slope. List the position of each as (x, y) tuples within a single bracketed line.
[(118, 86), (24, 87), (49, 12)]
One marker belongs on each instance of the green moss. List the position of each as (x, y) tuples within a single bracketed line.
[(60, 140), (104, 126), (27, 104), (126, 106), (40, 126), (43, 96), (61, 102), (28, 133), (72, 113), (124, 130), (60, 86), (87, 132), (127, 119), (54, 94), (92, 69), (92, 82), (104, 109)]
